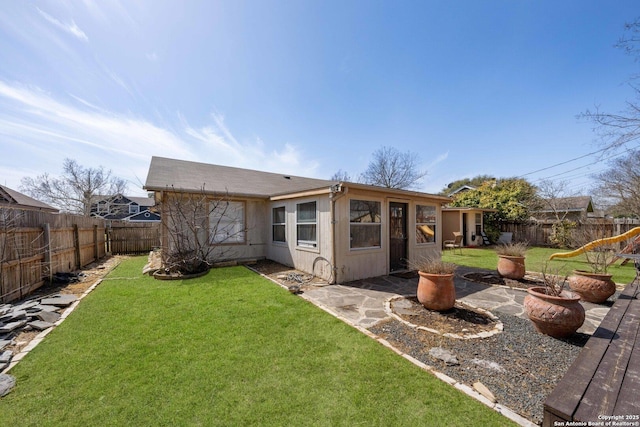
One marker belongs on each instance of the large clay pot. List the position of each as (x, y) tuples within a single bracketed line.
[(436, 291), (592, 287), (511, 267), (558, 316)]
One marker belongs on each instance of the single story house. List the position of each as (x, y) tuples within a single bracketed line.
[(125, 208), (575, 209), (469, 221), (13, 199), (339, 231)]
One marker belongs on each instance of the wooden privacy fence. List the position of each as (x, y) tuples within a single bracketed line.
[(132, 238), (36, 245), (538, 234)]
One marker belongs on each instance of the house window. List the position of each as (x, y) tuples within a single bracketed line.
[(278, 226), (226, 222), (365, 224), (478, 224), (425, 224), (133, 208), (103, 207), (306, 224)]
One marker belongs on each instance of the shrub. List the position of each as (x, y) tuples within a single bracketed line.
[(512, 249), (433, 266)]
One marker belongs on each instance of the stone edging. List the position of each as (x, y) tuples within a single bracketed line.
[(469, 391), (499, 327)]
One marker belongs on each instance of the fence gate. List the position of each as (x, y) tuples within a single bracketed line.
[(132, 238)]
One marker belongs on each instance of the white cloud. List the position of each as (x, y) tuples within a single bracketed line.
[(72, 28), (40, 131)]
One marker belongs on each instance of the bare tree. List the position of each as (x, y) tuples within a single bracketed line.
[(75, 190), (197, 226), (341, 175), (553, 196), (618, 129), (392, 169), (619, 185)]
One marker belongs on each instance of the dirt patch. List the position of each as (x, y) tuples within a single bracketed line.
[(87, 276), (493, 278), (460, 320), (288, 276)]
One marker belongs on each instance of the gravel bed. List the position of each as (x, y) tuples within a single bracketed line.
[(526, 365)]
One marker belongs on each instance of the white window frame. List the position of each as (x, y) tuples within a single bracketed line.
[(275, 224), (432, 224), (229, 224), (311, 244), (366, 224), (133, 208)]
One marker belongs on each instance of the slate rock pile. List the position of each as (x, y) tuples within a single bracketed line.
[(35, 314)]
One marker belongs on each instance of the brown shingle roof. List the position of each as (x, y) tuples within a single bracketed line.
[(13, 198), (192, 176)]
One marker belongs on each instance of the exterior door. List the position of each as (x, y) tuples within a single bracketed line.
[(397, 236)]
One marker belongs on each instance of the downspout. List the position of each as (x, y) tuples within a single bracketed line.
[(337, 192)]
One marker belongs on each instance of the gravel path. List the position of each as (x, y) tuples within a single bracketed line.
[(526, 364)]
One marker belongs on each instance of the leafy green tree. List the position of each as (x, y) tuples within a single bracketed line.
[(512, 199), (475, 182)]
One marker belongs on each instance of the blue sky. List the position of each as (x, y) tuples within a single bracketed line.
[(310, 87)]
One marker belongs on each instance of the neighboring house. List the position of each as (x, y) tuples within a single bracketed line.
[(14, 199), (339, 231), (576, 209), (469, 221), (125, 208), (462, 189)]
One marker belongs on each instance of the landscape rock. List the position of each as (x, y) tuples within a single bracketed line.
[(488, 364), (7, 383), (59, 300), (4, 343), (445, 355), (48, 316), (13, 315), (5, 357), (8, 327), (40, 325)]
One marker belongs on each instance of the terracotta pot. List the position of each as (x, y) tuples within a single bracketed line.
[(436, 291), (592, 287), (558, 316), (511, 267)]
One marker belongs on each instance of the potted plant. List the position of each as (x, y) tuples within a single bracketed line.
[(595, 285), (511, 259), (554, 311), (436, 290)]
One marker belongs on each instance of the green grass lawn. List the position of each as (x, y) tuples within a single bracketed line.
[(535, 260), (230, 348)]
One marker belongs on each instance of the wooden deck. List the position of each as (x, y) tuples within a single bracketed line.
[(604, 380)]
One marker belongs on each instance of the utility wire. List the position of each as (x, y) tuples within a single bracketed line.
[(564, 163)]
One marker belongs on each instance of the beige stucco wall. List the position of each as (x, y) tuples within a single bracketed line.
[(254, 245), (354, 264), (311, 260)]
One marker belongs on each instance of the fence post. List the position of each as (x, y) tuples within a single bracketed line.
[(47, 251), (95, 242), (76, 244)]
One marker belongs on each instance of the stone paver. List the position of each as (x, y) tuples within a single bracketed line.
[(362, 302)]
